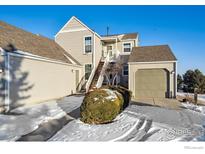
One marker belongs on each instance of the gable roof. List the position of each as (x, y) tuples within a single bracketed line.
[(75, 18), (151, 54), (129, 36), (19, 39)]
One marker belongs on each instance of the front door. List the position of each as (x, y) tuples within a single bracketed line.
[(110, 50)]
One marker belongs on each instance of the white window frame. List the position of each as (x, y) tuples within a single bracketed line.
[(127, 69), (91, 44), (91, 69), (124, 48)]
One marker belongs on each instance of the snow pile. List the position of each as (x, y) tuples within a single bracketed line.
[(26, 119), (111, 94), (194, 107), (201, 97)]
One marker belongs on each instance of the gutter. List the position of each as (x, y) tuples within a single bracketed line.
[(153, 62), (23, 54)]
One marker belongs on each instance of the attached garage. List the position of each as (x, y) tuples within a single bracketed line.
[(150, 83), (152, 72)]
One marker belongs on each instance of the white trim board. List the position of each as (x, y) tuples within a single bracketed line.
[(73, 17), (73, 30), (23, 54)]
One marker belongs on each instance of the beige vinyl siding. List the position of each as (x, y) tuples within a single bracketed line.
[(73, 43), (120, 46), (34, 81), (98, 50), (169, 66), (73, 24)]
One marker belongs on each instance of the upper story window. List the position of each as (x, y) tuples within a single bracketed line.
[(88, 44), (127, 47)]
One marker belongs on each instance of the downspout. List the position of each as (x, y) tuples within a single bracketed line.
[(94, 50), (176, 79), (7, 99)]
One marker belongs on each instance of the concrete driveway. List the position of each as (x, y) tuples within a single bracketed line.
[(166, 103)]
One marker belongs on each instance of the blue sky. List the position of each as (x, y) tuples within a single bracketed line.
[(181, 27)]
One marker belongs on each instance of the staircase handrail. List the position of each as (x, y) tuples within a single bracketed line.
[(101, 77)]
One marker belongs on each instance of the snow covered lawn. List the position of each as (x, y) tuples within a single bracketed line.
[(140, 123), (27, 119)]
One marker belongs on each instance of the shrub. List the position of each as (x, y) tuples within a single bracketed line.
[(101, 106), (127, 94)]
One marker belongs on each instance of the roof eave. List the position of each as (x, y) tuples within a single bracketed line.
[(73, 17), (152, 62)]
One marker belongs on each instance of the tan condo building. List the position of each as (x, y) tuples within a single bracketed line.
[(36, 69)]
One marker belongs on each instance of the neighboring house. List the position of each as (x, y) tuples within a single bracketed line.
[(34, 68), (149, 72)]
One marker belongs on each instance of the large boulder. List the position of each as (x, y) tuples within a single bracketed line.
[(101, 106)]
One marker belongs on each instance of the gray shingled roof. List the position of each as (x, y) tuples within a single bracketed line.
[(19, 39), (151, 54), (129, 36)]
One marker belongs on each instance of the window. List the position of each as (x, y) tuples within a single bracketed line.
[(125, 70), (127, 47), (88, 44), (88, 69)]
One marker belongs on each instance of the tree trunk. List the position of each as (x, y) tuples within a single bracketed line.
[(107, 80), (113, 81)]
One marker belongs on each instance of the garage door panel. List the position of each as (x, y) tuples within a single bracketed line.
[(151, 83)]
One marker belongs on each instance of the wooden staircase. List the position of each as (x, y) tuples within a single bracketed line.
[(96, 76)]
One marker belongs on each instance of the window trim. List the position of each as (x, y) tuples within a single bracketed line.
[(127, 70), (124, 47), (91, 44)]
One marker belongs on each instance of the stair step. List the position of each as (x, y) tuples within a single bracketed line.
[(97, 74)]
